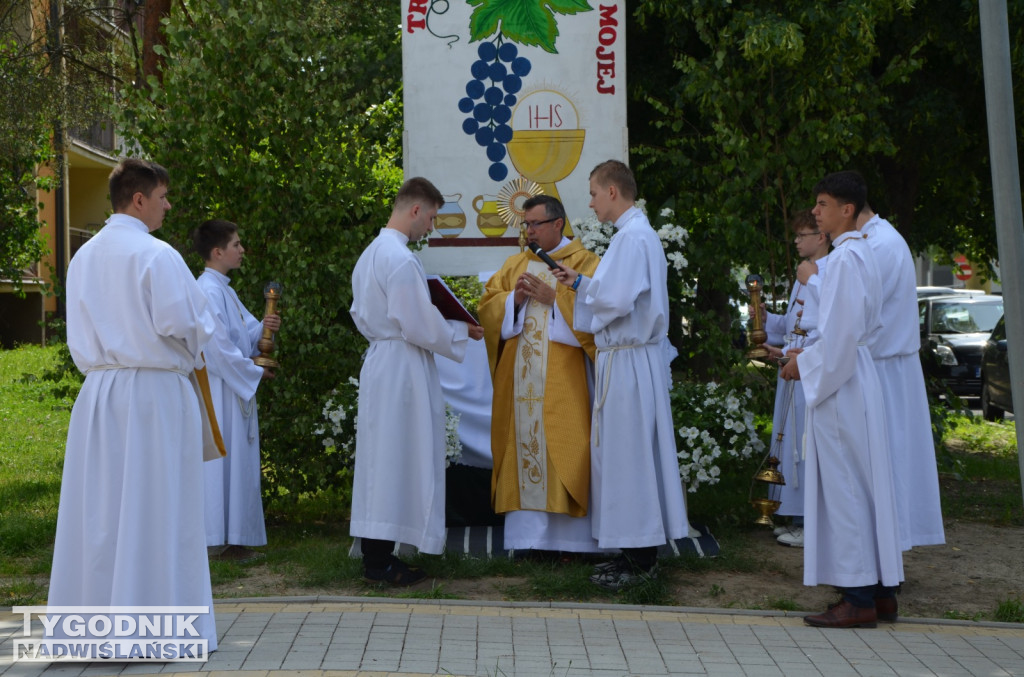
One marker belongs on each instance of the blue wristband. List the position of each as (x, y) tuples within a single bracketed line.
[(577, 282)]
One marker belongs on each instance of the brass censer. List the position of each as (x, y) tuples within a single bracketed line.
[(768, 472)]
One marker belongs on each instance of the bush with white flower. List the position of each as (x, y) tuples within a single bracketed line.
[(340, 421), (714, 425), (595, 236)]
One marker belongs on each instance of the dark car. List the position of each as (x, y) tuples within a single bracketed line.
[(953, 330), (996, 398)]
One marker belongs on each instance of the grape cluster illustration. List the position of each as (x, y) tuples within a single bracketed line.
[(497, 77)]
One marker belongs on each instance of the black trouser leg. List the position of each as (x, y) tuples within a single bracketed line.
[(642, 558), (377, 553)]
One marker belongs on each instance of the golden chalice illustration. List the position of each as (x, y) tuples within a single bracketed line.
[(546, 144)]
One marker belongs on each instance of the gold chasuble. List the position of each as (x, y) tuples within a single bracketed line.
[(540, 417)]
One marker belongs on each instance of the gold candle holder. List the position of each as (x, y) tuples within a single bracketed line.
[(757, 335), (272, 294)]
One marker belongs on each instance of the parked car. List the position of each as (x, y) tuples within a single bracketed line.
[(954, 329), (996, 397), (924, 292)]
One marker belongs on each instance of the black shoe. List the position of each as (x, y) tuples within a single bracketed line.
[(397, 574), (239, 554)]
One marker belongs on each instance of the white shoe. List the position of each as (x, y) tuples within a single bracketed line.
[(794, 539), (778, 531)]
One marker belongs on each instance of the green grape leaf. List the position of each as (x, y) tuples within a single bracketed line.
[(484, 19), (568, 6), (530, 24), (527, 22)]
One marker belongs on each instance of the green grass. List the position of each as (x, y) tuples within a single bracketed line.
[(982, 481), (309, 534), (33, 428), (1010, 611)]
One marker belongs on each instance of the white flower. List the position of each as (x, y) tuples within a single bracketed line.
[(714, 425)]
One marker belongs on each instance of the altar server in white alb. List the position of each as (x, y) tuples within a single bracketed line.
[(796, 328), (896, 352), (398, 492), (636, 496), (234, 502), (851, 536), (130, 523)]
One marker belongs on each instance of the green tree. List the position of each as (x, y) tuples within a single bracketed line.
[(742, 106), (937, 184), (284, 118), (53, 78)]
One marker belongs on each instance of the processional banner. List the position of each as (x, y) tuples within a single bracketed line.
[(505, 99)]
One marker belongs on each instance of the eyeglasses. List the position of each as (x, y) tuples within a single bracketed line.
[(800, 236), (536, 224)]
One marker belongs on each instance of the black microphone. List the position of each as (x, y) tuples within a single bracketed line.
[(543, 256)]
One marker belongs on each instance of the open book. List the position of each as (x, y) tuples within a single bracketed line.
[(446, 301)]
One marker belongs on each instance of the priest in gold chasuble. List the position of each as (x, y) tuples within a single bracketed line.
[(541, 370)]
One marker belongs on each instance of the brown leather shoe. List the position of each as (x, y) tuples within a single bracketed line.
[(887, 609), (844, 615)]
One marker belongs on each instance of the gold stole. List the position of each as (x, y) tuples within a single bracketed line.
[(529, 378), (213, 442)]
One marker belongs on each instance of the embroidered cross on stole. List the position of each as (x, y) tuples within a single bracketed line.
[(530, 376)]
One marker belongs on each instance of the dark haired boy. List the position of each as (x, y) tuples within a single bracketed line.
[(233, 497), (130, 523), (851, 533)]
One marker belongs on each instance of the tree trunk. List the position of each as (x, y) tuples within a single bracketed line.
[(153, 35)]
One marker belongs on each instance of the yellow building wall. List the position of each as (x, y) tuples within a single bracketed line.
[(87, 190)]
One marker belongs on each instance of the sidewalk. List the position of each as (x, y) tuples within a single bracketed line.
[(356, 636)]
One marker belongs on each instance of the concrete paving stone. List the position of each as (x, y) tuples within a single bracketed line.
[(788, 655), (874, 669), (341, 663), (533, 651), (857, 653), (647, 666), (725, 671), (762, 671), (261, 665), (755, 660), (708, 644), (145, 668), (796, 671), (587, 672), (302, 663), (979, 666)]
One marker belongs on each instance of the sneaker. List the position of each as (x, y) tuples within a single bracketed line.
[(794, 539), (621, 577), (397, 574), (778, 531)]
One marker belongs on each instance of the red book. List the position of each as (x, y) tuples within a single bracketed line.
[(446, 301)]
